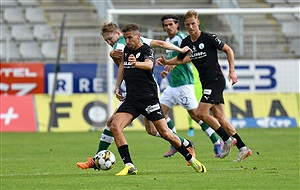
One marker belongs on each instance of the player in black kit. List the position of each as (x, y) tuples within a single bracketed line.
[(141, 98), (205, 58)]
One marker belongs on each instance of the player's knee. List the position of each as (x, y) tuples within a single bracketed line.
[(114, 128), (201, 115), (109, 120)]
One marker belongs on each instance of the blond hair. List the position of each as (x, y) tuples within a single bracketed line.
[(190, 13), (109, 27)]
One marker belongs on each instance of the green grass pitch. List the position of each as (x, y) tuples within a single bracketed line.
[(48, 161)]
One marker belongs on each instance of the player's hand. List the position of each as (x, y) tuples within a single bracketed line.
[(132, 59), (232, 77), (119, 94), (164, 73), (117, 54), (161, 61), (187, 50), (169, 67)]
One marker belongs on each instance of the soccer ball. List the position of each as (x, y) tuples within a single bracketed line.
[(105, 160)]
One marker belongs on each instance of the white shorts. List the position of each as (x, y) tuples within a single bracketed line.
[(182, 95)]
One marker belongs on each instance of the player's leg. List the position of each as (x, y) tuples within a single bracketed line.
[(106, 137), (105, 141), (119, 122), (203, 112), (152, 131), (170, 123), (162, 128), (185, 96), (217, 143), (219, 113)]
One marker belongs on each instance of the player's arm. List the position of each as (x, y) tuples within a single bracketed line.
[(173, 61), (230, 58), (170, 46), (117, 56), (146, 65), (119, 81)]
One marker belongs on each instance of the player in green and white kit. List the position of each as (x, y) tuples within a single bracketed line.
[(113, 36), (181, 89)]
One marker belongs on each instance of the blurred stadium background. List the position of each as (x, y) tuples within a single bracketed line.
[(266, 50)]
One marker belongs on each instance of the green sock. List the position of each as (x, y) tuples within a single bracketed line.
[(171, 126), (209, 132), (106, 139)]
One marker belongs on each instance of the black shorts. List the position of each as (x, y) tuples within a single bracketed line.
[(213, 92), (150, 109)]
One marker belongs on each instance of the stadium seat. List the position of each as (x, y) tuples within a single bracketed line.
[(43, 32), (13, 15), (295, 47), (49, 49), (5, 32), (22, 32), (12, 52), (11, 3), (30, 50), (291, 29), (28, 3), (35, 15)]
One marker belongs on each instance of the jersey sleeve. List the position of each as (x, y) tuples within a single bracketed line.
[(119, 46), (149, 54), (217, 42), (146, 40)]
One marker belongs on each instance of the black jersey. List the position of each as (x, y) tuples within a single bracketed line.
[(140, 84), (205, 56)]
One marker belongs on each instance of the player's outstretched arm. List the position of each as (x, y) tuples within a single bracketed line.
[(174, 61), (170, 46)]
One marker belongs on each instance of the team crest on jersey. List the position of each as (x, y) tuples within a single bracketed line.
[(201, 45), (138, 55)]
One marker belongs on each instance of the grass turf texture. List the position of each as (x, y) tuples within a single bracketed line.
[(48, 161)]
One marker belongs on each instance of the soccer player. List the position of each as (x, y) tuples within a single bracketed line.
[(141, 98), (181, 89), (114, 37), (205, 59)]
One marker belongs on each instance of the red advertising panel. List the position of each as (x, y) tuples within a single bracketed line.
[(21, 78), (17, 114)]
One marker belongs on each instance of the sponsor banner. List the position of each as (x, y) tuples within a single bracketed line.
[(17, 114), (82, 112), (22, 78), (259, 110), (83, 78), (264, 75), (77, 112), (253, 76), (76, 78), (266, 122)]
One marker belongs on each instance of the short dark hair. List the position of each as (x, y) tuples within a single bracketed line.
[(170, 16), (130, 27)]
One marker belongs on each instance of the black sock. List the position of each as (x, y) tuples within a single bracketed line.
[(124, 153), (239, 142), (184, 152), (222, 133)]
